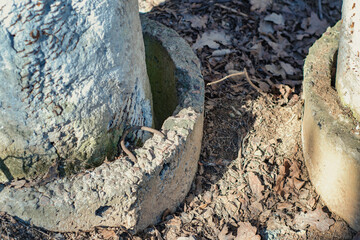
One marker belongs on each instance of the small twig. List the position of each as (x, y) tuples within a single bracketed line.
[(252, 84), (224, 78), (232, 10), (122, 142)]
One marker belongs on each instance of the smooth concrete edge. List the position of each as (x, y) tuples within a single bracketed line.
[(331, 150), (116, 193)]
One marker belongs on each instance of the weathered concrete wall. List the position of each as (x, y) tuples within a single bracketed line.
[(330, 144), (348, 69), (118, 193), (72, 75)]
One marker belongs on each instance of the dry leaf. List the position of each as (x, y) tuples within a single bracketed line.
[(186, 238), (288, 68), (316, 25), (317, 218), (298, 183), (275, 18), (260, 5), (285, 91), (265, 27), (276, 70), (174, 222), (284, 205), (255, 185), (18, 184), (246, 231), (211, 39), (221, 52), (295, 170), (284, 171), (108, 234), (256, 208), (279, 46), (196, 21), (223, 235)]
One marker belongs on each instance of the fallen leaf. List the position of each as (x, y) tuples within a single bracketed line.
[(186, 238), (260, 5), (317, 218), (258, 50), (316, 25), (288, 68), (255, 185), (256, 208), (207, 196), (276, 70), (265, 27), (108, 234), (174, 222), (246, 231), (284, 171), (298, 183), (223, 235), (295, 170), (284, 205), (211, 39), (285, 91), (279, 46), (301, 36), (196, 21), (275, 18), (221, 52), (18, 184)]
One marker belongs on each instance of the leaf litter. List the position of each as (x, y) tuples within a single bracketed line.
[(251, 181)]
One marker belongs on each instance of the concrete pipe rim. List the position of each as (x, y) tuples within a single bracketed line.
[(330, 144), (114, 191)]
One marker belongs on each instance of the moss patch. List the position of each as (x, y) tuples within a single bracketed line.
[(161, 72)]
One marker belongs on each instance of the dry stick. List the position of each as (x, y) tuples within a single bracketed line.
[(252, 84), (232, 10), (122, 142), (224, 78)]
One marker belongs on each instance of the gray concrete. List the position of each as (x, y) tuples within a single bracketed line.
[(331, 143), (72, 76), (348, 69), (117, 193)]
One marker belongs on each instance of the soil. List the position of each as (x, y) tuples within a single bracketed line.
[(252, 182)]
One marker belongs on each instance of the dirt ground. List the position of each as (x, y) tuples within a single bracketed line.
[(251, 181)]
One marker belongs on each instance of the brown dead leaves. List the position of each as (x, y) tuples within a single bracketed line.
[(260, 5), (256, 186), (212, 39), (289, 179), (245, 231), (317, 218)]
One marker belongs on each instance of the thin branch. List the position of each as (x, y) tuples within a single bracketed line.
[(224, 78), (252, 84), (134, 128), (237, 12)]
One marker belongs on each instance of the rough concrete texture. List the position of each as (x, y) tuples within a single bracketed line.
[(72, 75), (147, 5), (331, 147), (117, 193), (348, 69)]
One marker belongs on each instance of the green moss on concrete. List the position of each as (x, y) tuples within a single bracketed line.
[(92, 153), (161, 72)]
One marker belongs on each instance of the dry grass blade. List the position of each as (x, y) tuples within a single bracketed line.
[(224, 78)]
